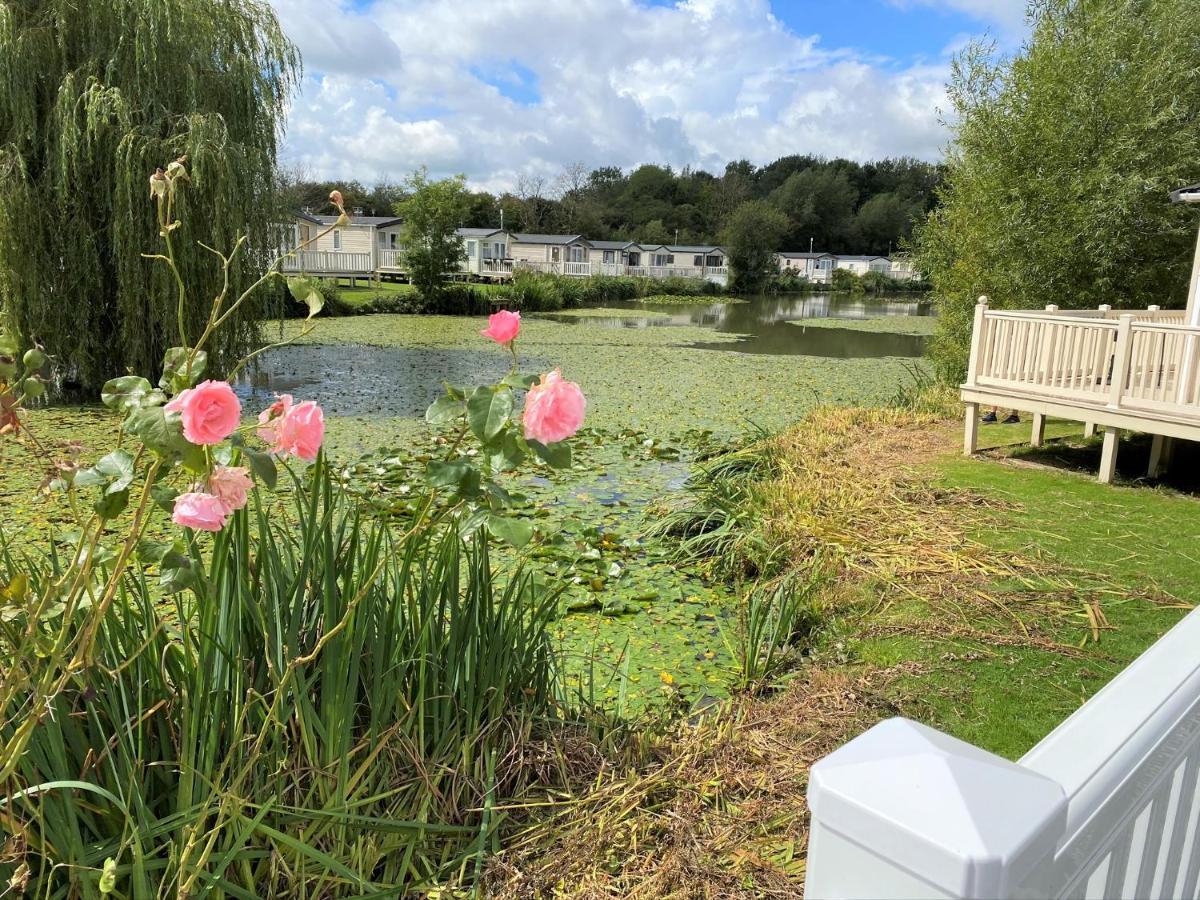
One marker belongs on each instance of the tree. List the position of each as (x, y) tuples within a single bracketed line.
[(819, 204), (1057, 179), (753, 235), (95, 97), (884, 222), (432, 213)]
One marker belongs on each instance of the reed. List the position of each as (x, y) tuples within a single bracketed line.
[(327, 713)]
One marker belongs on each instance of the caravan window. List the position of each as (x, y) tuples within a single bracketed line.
[(337, 239), (698, 260)]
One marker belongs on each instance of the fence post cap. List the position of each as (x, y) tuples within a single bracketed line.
[(969, 822), (983, 300)]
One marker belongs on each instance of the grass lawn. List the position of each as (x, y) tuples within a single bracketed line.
[(1129, 550)]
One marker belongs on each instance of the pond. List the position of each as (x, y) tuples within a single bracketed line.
[(397, 367), (663, 381), (768, 323)]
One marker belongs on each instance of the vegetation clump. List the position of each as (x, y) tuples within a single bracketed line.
[(1056, 183)]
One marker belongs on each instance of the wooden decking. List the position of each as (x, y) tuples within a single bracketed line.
[(1134, 370)]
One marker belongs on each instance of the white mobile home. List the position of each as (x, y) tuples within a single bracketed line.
[(487, 253), (861, 265), (816, 267), (559, 254), (368, 244)]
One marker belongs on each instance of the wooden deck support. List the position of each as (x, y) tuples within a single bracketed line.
[(971, 429), (1089, 430), (1160, 455), (1108, 454), (1038, 436)]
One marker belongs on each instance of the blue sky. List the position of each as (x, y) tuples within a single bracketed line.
[(517, 90)]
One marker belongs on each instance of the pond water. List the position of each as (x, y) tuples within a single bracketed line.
[(404, 380), (766, 323)]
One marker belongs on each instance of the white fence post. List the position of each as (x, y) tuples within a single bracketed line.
[(904, 811)]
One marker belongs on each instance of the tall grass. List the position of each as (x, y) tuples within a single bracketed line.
[(329, 713)]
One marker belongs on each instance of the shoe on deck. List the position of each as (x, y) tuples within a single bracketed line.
[(1014, 419), (989, 418)]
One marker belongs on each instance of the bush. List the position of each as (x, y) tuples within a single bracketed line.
[(844, 280)]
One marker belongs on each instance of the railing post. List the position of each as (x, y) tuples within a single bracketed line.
[(906, 811), (1122, 354), (977, 342)]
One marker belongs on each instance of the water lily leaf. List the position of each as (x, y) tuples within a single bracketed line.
[(517, 532), (130, 392), (488, 409)]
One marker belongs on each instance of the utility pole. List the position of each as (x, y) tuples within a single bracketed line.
[(810, 245), (501, 218), (676, 237)]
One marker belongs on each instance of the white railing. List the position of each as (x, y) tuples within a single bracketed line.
[(496, 266), (391, 259), (612, 268), (332, 261), (532, 265), (717, 270), (667, 271), (1139, 361), (577, 269), (1105, 806)]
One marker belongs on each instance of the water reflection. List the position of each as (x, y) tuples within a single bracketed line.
[(764, 320)]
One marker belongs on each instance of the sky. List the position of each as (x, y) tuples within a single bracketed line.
[(502, 89)]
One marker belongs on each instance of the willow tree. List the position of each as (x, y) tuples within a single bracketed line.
[(93, 97)]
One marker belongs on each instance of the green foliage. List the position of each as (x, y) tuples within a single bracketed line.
[(432, 211), (776, 622), (348, 685), (539, 292), (752, 236), (1057, 182), (94, 98)]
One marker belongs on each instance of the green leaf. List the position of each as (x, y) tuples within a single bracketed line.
[(150, 425), (507, 454), (262, 465), (557, 456), (488, 410), (112, 503), (175, 375), (460, 476), (443, 410), (164, 497), (308, 291), (521, 382), (115, 472), (130, 392), (517, 532), (176, 572)]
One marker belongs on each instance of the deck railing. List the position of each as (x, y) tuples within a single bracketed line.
[(577, 269), (1107, 805), (496, 266), (331, 261), (392, 259), (1141, 361)]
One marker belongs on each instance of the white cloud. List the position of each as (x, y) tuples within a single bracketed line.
[(617, 83)]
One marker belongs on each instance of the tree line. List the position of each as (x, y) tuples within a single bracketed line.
[(832, 205)]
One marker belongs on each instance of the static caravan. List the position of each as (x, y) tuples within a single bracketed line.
[(861, 265), (368, 244), (560, 254), (487, 253), (816, 267)]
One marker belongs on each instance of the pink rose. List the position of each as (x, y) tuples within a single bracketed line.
[(230, 485), (201, 511), (269, 418), (553, 409), (503, 327), (300, 431), (210, 412)]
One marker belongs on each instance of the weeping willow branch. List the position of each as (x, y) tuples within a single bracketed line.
[(93, 97)]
